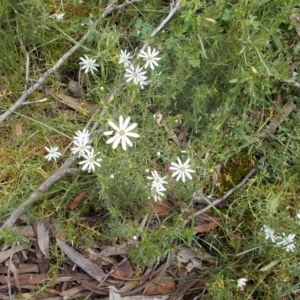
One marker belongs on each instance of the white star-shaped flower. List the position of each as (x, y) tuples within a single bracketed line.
[(287, 241), (58, 17), (121, 133), (269, 233), (82, 135), (88, 64), (158, 182), (241, 283), (53, 153), (90, 161), (150, 57), (81, 147), (137, 75), (125, 58), (182, 170)]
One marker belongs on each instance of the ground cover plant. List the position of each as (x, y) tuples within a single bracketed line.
[(149, 148)]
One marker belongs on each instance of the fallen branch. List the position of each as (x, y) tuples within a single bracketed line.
[(89, 267), (112, 7), (15, 215), (225, 196), (174, 7), (41, 80)]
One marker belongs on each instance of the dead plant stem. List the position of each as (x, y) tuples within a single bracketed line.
[(225, 196), (41, 80), (174, 7)]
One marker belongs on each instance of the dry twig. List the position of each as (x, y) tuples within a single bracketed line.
[(41, 80), (174, 7), (112, 7), (225, 196)]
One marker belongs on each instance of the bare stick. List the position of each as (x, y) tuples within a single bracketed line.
[(112, 7), (225, 196), (41, 80), (174, 7), (42, 188), (34, 102)]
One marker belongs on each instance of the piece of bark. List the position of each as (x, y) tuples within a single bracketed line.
[(118, 249), (43, 238), (164, 285), (14, 270), (78, 200), (22, 269), (89, 267), (206, 227), (38, 279), (123, 271), (7, 253), (75, 103)]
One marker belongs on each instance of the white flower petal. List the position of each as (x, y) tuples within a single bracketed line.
[(174, 166), (124, 144), (112, 139), (133, 134), (125, 124), (116, 142), (127, 141), (108, 132), (131, 127), (113, 125)]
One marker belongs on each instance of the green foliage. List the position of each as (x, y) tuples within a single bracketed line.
[(12, 237), (142, 30), (224, 67)]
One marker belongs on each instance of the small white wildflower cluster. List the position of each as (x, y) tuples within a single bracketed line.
[(133, 71), (281, 240), (81, 149), (181, 170), (121, 134), (157, 185)]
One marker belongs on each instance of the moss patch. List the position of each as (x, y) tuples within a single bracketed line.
[(233, 172)]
